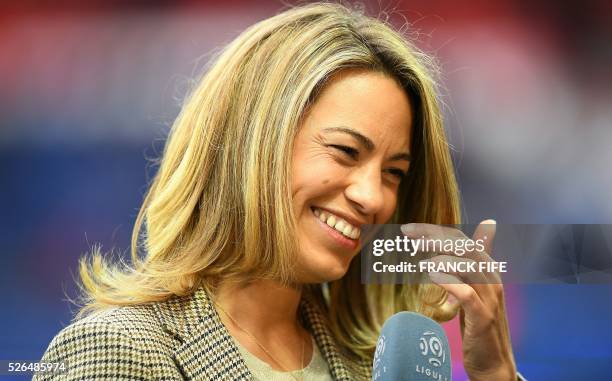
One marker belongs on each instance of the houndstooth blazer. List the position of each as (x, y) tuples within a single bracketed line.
[(179, 339)]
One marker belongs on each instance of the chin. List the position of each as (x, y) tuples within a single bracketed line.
[(325, 272), (334, 274)]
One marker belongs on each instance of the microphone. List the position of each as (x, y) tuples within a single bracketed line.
[(411, 347)]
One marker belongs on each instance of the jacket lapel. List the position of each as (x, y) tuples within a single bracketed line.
[(208, 352), (315, 323)]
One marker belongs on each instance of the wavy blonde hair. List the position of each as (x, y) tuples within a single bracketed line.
[(220, 206)]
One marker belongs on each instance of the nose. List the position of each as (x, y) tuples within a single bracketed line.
[(365, 191)]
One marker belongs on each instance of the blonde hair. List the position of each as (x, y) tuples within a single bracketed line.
[(220, 204)]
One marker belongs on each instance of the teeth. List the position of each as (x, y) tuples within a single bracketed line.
[(338, 224), (331, 221), (346, 230)]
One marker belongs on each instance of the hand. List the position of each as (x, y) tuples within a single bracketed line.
[(487, 350)]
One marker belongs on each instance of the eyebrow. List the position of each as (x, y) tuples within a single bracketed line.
[(367, 142)]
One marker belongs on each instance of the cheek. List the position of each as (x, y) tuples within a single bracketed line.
[(306, 186), (310, 188), (312, 176), (389, 209)]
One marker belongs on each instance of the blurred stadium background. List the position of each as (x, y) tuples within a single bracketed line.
[(88, 90)]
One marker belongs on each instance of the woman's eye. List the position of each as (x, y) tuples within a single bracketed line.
[(352, 152), (397, 173)]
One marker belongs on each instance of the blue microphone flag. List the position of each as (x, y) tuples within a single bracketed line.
[(411, 347)]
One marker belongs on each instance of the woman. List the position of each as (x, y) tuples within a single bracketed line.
[(308, 125)]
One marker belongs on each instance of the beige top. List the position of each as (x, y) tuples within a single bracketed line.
[(316, 370)]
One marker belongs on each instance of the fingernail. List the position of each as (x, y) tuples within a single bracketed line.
[(407, 229), (436, 277)]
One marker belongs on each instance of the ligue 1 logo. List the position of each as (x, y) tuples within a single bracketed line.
[(431, 345)]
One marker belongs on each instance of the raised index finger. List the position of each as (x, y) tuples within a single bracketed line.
[(450, 241)]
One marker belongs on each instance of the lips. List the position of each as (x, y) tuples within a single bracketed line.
[(337, 223)]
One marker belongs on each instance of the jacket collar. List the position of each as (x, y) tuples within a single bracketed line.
[(207, 351)]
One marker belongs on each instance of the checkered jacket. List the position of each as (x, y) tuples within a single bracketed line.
[(179, 339)]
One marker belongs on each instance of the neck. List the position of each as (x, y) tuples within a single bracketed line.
[(262, 306), (263, 317)]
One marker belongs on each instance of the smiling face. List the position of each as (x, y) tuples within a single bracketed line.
[(349, 157)]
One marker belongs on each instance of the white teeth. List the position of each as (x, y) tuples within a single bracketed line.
[(331, 221), (338, 224), (348, 229)]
